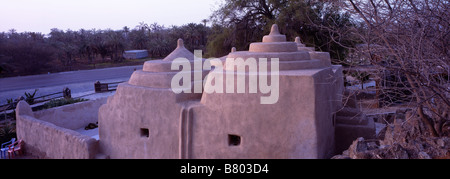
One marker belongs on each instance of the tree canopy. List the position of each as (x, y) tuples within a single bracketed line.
[(237, 23), (29, 53)]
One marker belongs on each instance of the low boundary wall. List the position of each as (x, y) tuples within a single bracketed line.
[(50, 133)]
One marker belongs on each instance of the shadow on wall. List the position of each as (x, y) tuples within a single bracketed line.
[(51, 133)]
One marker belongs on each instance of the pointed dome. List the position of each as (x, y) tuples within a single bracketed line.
[(274, 35), (180, 52), (274, 42), (301, 46), (299, 42), (274, 30), (275, 46)]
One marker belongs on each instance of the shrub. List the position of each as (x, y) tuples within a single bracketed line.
[(61, 102)]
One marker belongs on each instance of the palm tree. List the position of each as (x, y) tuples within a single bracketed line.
[(138, 39), (116, 44), (86, 44), (142, 26), (205, 21), (126, 31)]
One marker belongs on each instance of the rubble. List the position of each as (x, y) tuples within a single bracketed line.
[(406, 138)]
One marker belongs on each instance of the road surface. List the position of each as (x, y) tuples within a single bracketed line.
[(78, 81)]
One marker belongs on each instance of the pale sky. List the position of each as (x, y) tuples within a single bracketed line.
[(43, 15)]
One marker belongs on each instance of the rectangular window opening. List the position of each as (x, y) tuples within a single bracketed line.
[(145, 132), (234, 140)]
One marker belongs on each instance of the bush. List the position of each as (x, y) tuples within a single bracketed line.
[(8, 131), (60, 102), (30, 97)]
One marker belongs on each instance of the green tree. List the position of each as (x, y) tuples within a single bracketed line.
[(86, 44), (65, 45), (25, 53), (115, 43), (219, 41), (250, 20)]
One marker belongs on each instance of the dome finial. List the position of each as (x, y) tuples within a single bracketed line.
[(233, 49), (274, 30), (180, 43), (274, 35), (297, 40)]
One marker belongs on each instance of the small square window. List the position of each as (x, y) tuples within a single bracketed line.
[(145, 132), (234, 140)]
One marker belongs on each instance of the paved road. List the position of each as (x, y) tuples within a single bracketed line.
[(78, 81)]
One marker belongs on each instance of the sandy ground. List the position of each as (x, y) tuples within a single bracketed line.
[(93, 96), (91, 133)]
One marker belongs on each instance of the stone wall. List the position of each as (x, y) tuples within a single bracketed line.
[(129, 130), (74, 116), (50, 134), (146, 119)]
